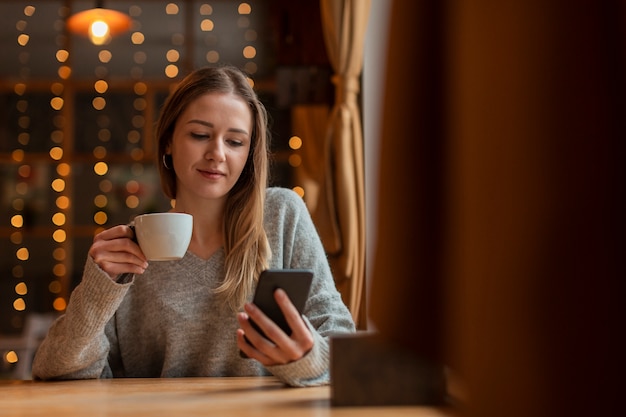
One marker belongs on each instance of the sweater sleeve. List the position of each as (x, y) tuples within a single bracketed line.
[(76, 346), (325, 313)]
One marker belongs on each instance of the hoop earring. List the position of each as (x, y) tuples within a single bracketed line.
[(165, 161)]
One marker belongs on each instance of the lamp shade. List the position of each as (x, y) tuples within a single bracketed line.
[(99, 24)]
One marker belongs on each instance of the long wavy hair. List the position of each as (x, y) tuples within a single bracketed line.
[(247, 250)]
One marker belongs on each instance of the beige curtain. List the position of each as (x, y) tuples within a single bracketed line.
[(339, 213)]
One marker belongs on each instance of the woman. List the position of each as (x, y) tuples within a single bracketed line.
[(189, 317)]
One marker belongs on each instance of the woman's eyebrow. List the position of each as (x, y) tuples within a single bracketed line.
[(209, 124)]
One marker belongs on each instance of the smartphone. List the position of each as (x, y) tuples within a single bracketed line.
[(295, 282)]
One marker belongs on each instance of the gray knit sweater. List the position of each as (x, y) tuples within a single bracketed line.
[(168, 323)]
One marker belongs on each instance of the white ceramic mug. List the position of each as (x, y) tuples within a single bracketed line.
[(164, 236)]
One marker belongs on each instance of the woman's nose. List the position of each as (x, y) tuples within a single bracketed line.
[(215, 150)]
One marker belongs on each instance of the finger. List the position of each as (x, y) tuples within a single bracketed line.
[(117, 240), (271, 345), (248, 338), (300, 332), (114, 269), (116, 254), (115, 232), (267, 326)]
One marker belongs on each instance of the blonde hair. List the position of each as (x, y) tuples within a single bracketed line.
[(247, 250)]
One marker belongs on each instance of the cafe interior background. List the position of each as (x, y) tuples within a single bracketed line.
[(77, 116), (495, 207)]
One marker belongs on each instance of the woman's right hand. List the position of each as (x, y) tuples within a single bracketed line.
[(114, 251)]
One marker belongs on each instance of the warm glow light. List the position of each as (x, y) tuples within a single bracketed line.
[(171, 8), (244, 8), (132, 186), (21, 188), (23, 122), (105, 56), (99, 103), (56, 103), (19, 88), (18, 204), (57, 88), (63, 202), (58, 185), (24, 171), (22, 254), (58, 219), (11, 357), (171, 71), (59, 254), (18, 155), (101, 86), (21, 288), (172, 55), (249, 52), (207, 25), (100, 168), (19, 304), (16, 238), (100, 218), (23, 138), (62, 55), (59, 304), (212, 57), (64, 72), (295, 160), (17, 221), (63, 169), (140, 104), (295, 142), (100, 200), (99, 152), (137, 38), (104, 135), (59, 235), (99, 33), (299, 190), (105, 186), (56, 153), (54, 287), (140, 88), (23, 39), (59, 270), (99, 24), (132, 201)]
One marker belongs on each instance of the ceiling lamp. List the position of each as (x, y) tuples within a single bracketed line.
[(99, 24)]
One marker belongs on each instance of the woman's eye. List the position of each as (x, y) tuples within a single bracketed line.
[(199, 135), (234, 142)]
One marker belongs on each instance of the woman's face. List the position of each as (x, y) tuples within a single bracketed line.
[(210, 146)]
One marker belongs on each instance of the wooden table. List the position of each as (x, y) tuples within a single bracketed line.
[(259, 396)]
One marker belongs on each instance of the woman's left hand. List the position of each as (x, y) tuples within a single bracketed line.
[(276, 348)]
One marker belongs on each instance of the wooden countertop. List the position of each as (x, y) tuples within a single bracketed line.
[(258, 396)]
